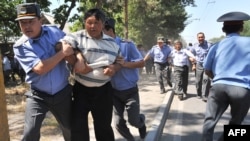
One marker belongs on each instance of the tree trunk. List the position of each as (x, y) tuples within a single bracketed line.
[(126, 18), (4, 126)]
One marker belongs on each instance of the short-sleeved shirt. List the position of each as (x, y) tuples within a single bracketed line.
[(181, 58), (127, 78), (200, 51), (229, 61), (29, 52), (160, 55), (98, 53)]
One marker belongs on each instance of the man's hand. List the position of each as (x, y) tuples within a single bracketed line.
[(193, 67), (71, 59), (120, 60), (109, 70)]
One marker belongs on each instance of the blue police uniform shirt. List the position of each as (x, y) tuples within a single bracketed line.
[(229, 61), (160, 55), (127, 78), (200, 51), (30, 52)]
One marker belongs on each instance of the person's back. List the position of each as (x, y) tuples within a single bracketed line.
[(125, 89), (233, 48), (127, 75), (227, 63)]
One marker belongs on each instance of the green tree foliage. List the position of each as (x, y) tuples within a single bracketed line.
[(151, 18), (8, 25), (246, 29), (146, 18), (216, 39)]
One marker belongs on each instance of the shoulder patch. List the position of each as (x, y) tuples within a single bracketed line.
[(51, 25)]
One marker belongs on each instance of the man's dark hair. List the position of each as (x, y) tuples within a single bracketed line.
[(232, 28), (99, 14), (109, 24)]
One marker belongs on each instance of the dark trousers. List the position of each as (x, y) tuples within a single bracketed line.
[(222, 96), (98, 101), (127, 100), (38, 104), (181, 79), (6, 76), (163, 72), (203, 83)]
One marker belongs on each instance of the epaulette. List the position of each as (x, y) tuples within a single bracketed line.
[(51, 25), (20, 41), (127, 40)]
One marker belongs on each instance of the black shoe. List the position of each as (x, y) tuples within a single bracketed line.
[(163, 91), (204, 99), (143, 131), (180, 97), (170, 84)]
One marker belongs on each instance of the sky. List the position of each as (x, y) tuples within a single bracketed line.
[(203, 17)]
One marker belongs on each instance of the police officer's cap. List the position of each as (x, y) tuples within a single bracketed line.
[(28, 11), (233, 18)]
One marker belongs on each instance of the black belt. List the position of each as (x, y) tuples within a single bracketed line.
[(41, 93), (182, 66), (162, 63)]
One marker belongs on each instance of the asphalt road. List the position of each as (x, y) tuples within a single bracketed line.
[(185, 119)]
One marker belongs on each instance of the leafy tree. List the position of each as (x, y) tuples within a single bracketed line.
[(146, 18), (152, 18), (216, 39), (8, 25), (246, 29)]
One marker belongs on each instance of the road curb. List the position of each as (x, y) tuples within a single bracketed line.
[(155, 131)]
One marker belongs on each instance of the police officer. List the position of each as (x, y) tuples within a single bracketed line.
[(227, 63), (124, 82), (160, 53), (46, 72), (200, 50)]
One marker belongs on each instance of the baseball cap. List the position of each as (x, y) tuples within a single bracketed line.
[(233, 18), (28, 11), (160, 39)]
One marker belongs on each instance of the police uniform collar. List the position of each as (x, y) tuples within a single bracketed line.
[(43, 30)]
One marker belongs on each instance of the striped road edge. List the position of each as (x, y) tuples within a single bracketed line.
[(155, 131)]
